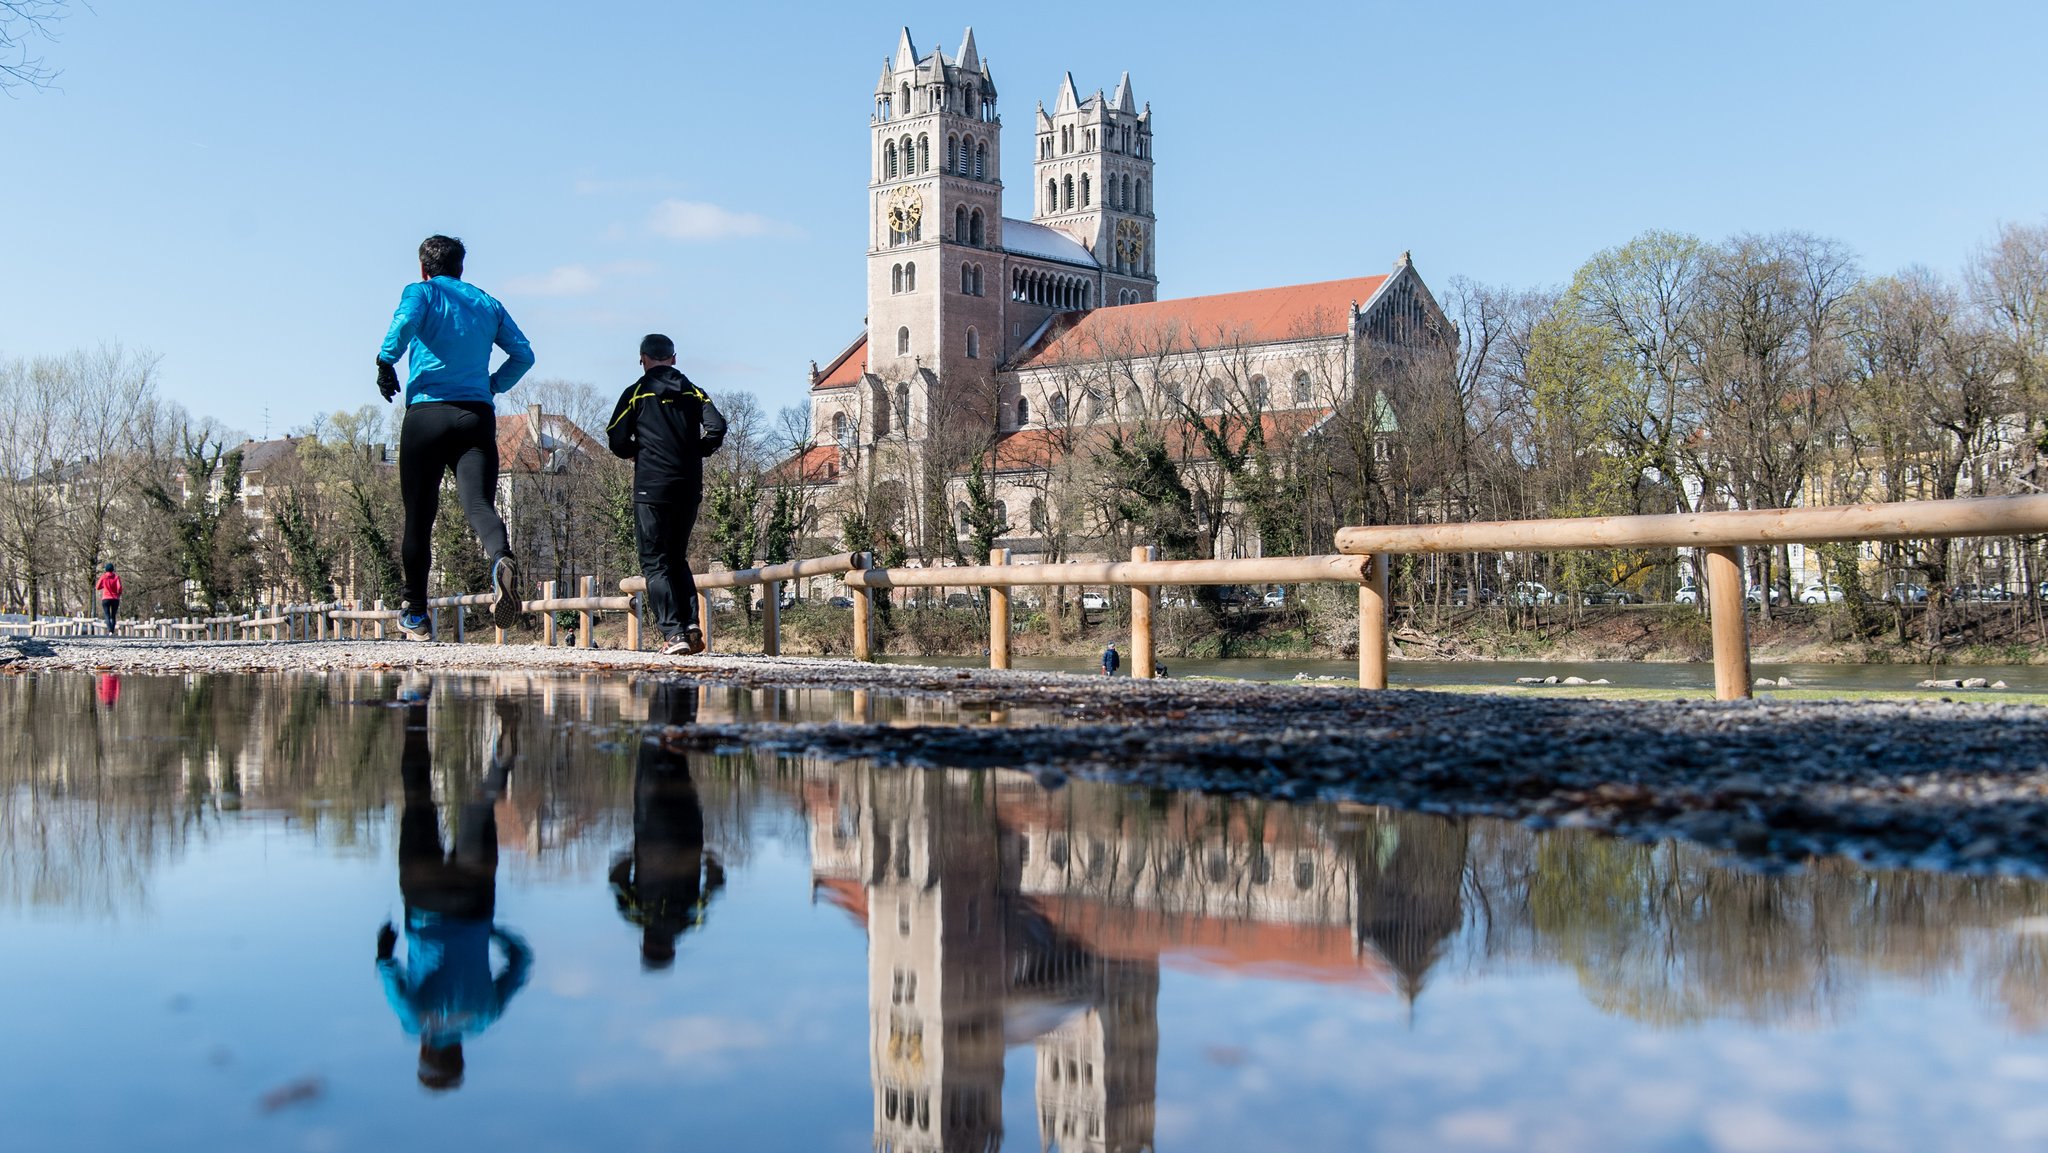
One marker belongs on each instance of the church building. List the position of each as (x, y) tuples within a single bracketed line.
[(1008, 340)]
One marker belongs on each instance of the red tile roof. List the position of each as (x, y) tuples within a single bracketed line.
[(1261, 316), (518, 451), (847, 368), (818, 464)]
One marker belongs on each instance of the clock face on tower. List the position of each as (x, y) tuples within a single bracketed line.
[(1130, 242), (904, 210)]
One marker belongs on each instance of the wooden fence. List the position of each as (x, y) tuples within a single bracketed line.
[(1362, 559)]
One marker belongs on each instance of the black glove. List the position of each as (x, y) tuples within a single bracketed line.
[(387, 940), (387, 380)]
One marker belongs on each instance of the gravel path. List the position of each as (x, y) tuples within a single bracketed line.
[(1924, 783)]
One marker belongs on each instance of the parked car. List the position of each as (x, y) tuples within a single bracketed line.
[(840, 602), (1094, 601), (1525, 593), (1906, 593), (1275, 598), (1687, 594), (1753, 596), (1984, 593), (1466, 596), (960, 600), (1613, 595), (1820, 593), (1233, 595)]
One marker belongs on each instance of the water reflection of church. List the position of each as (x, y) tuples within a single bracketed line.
[(998, 913)]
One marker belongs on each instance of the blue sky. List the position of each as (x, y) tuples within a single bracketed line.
[(240, 186)]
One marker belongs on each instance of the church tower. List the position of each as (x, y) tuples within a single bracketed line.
[(1093, 181), (934, 243)]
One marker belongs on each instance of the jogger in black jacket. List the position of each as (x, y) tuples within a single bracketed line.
[(666, 426)]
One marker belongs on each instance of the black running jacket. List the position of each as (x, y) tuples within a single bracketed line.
[(666, 426)]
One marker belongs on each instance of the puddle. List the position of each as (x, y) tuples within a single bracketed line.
[(600, 942)]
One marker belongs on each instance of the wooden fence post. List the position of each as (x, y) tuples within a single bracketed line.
[(1730, 624), (1372, 625), (1144, 666), (586, 587), (999, 615), (380, 620), (863, 646), (461, 615), (633, 624), (547, 616), (771, 619), (704, 615)]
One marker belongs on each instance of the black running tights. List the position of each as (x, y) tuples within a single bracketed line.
[(438, 436)]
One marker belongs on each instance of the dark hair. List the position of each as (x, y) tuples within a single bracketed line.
[(442, 256), (655, 346), (110, 566), (440, 1065)]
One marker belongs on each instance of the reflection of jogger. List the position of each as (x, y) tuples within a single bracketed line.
[(666, 881), (445, 328), (445, 990)]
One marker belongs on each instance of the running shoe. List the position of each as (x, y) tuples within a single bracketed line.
[(505, 587), (694, 637), (676, 645), (416, 626)]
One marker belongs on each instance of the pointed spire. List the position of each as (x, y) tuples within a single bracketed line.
[(1123, 101), (1069, 99), (906, 53), (887, 84), (938, 64), (969, 58)]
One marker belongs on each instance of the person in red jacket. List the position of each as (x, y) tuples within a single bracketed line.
[(109, 586)]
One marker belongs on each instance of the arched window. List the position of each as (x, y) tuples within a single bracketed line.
[(1023, 412), (1219, 396), (965, 516), (1052, 196), (1138, 198), (1172, 390), (1262, 396), (981, 160), (952, 151), (1003, 515), (903, 407), (973, 345), (906, 100), (896, 279), (903, 342), (1058, 405), (1094, 406), (839, 428), (1084, 190), (888, 160), (1037, 514), (1067, 192), (910, 277), (974, 229), (967, 279), (1135, 399), (924, 153), (1304, 392), (977, 280), (960, 224)]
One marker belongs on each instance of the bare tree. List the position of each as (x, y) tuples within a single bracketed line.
[(22, 24)]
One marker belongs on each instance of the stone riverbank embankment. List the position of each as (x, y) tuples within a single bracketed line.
[(1931, 783)]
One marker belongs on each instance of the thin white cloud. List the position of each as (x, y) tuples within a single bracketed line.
[(696, 220), (575, 279), (562, 280)]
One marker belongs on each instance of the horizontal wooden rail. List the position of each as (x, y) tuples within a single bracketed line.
[(578, 604), (1253, 570), (1905, 520), (788, 570)]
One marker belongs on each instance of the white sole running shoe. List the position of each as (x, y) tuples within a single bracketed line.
[(421, 630), (505, 586), (677, 647)]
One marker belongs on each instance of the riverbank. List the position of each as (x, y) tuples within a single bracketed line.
[(1949, 783)]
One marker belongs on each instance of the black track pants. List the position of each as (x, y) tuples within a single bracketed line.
[(664, 535), (438, 436)]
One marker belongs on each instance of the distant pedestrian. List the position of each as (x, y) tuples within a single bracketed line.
[(666, 426), (109, 586), (1111, 661), (445, 329)]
